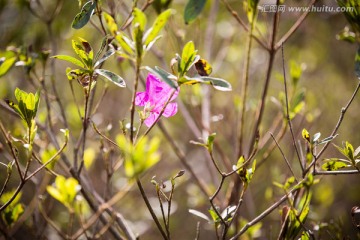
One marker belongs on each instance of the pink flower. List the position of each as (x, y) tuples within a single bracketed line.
[(156, 94)]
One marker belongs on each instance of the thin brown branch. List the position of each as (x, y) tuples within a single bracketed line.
[(284, 157), (336, 128), (287, 109)]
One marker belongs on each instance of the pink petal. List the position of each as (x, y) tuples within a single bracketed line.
[(170, 110), (151, 119), (153, 85), (141, 98)]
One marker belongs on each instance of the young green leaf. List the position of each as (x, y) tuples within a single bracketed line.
[(138, 28), (305, 134), (251, 10), (105, 57), (70, 60), (65, 190), (159, 23), (114, 78), (110, 24), (159, 5), (103, 45), (334, 164), (83, 17), (192, 10), (15, 209), (126, 44), (188, 57), (6, 65), (83, 49), (139, 19)]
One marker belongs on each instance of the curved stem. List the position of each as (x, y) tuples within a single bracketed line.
[(132, 108), (244, 88), (153, 215)]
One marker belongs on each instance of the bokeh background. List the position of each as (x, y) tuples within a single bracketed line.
[(328, 81)]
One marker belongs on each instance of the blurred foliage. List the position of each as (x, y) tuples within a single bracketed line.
[(321, 80)]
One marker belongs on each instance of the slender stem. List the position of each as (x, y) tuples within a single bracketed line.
[(8, 141), (266, 212), (272, 52), (215, 164), (211, 199), (162, 211), (132, 108), (146, 200), (284, 157), (340, 172), (5, 184), (244, 87), (287, 111), (199, 182), (18, 189), (342, 114), (48, 162)]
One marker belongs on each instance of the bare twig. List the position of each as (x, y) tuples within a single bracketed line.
[(287, 109)]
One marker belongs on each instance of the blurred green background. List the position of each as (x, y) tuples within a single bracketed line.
[(328, 80)]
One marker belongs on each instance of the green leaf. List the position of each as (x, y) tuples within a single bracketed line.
[(239, 164), (188, 58), (305, 236), (76, 73), (55, 193), (210, 141), (215, 217), (126, 44), (138, 28), (295, 72), (289, 182), (159, 5), (346, 35), (251, 9), (105, 57), (6, 65), (83, 17), (333, 164), (218, 83), (192, 10), (305, 134), (357, 153), (159, 23), (69, 59), (64, 190), (110, 24), (104, 43), (141, 157), (164, 75), (47, 155), (139, 19), (83, 49), (114, 78)]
